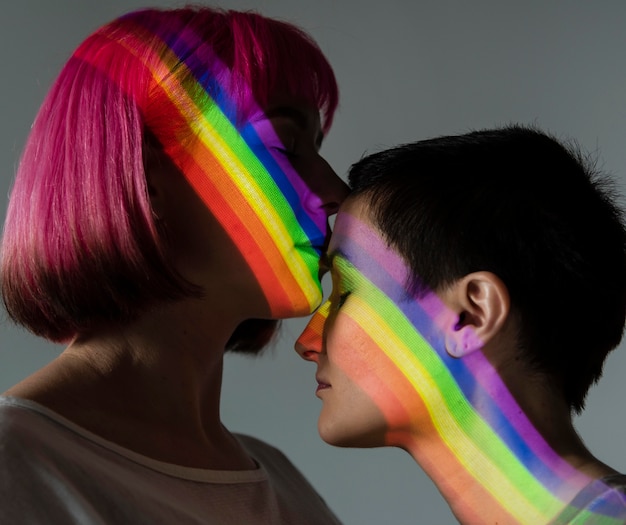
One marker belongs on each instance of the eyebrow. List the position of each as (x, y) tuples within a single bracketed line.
[(296, 116)]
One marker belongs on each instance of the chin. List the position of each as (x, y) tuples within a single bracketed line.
[(350, 438)]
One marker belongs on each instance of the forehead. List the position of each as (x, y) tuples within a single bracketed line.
[(373, 261), (356, 239)]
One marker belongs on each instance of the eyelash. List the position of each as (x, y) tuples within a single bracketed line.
[(342, 299), (287, 153), (283, 151)]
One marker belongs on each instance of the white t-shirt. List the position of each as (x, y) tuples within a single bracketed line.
[(55, 472)]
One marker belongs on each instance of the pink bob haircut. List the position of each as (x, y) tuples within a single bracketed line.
[(80, 245)]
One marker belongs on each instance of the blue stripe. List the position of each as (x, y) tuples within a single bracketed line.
[(185, 51), (471, 389)]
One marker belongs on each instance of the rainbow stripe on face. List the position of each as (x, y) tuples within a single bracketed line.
[(235, 166), (481, 434)]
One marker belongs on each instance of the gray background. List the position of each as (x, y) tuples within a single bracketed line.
[(408, 70)]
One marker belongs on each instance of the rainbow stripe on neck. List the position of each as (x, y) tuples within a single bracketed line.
[(475, 430)]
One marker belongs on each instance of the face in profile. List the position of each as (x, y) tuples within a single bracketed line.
[(385, 378), (302, 192), (381, 362), (267, 186)]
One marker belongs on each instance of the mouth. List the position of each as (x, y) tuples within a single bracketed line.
[(321, 385)]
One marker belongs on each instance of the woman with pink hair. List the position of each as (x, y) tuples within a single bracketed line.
[(170, 204)]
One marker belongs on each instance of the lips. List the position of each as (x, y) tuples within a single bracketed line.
[(321, 384)]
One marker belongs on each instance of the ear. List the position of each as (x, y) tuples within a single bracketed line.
[(479, 304)]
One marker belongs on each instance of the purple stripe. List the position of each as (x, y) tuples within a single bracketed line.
[(474, 368)]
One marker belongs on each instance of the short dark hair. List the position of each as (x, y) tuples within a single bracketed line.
[(534, 211)]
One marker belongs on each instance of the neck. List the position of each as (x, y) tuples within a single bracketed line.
[(158, 376), (498, 459)]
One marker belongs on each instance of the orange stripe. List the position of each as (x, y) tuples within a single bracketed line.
[(221, 196), (400, 403), (253, 240)]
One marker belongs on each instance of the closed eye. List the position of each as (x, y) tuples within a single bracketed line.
[(285, 152), (342, 299)]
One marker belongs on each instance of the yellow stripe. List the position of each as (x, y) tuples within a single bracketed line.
[(481, 467), (259, 202), (247, 185)]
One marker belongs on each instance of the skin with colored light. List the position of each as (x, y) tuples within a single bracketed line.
[(386, 377), (215, 167), (242, 166)]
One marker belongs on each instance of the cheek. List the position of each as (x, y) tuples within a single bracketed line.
[(370, 369), (256, 216)]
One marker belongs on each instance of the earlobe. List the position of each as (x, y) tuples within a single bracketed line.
[(461, 341), (479, 305)]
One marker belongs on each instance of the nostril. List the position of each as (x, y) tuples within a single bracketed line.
[(310, 355), (304, 351)]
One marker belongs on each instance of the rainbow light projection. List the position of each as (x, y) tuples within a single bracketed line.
[(235, 167), (480, 431)]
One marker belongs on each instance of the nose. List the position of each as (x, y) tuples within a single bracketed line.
[(329, 187), (310, 344)]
